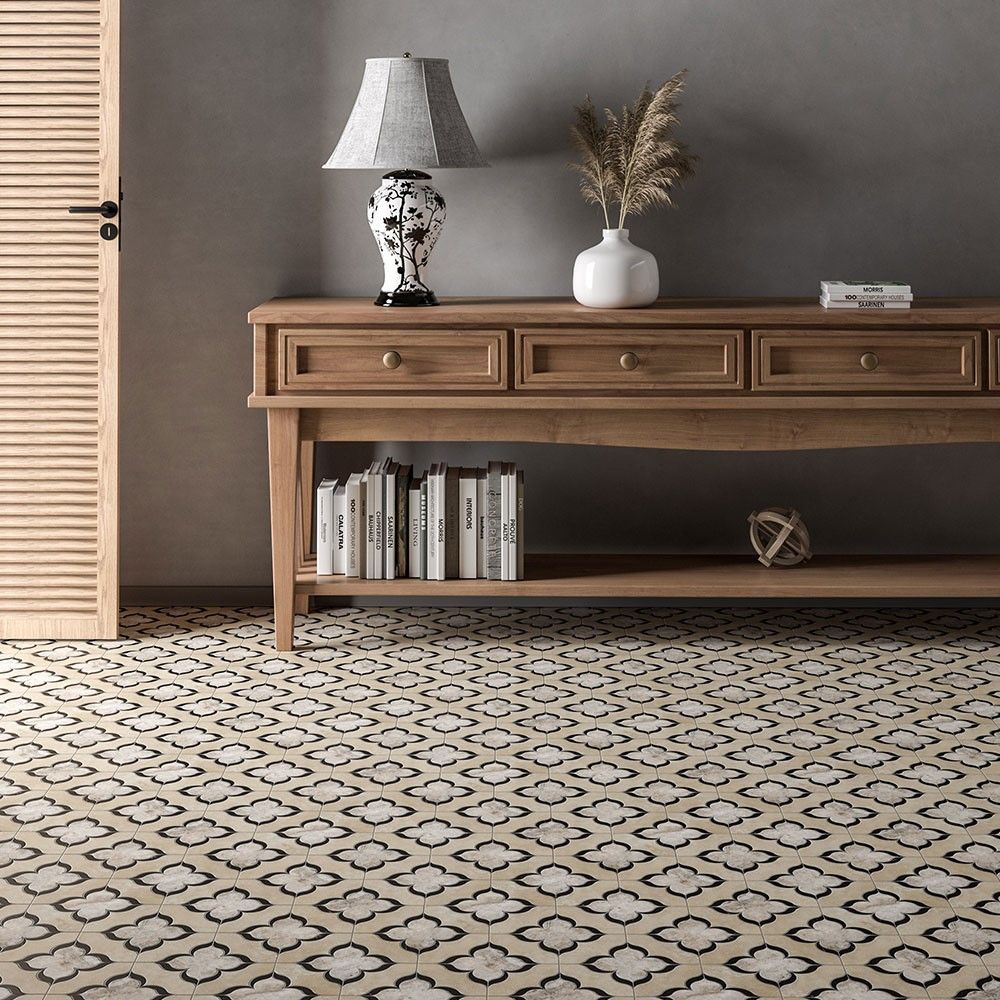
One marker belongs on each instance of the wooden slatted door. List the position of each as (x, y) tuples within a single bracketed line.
[(58, 320)]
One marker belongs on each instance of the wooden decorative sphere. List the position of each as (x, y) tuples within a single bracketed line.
[(779, 536)]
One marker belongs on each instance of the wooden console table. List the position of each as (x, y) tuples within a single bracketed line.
[(720, 374)]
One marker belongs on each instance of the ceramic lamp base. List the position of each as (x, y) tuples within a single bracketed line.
[(406, 215)]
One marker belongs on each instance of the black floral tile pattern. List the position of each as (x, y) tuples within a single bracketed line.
[(557, 804)]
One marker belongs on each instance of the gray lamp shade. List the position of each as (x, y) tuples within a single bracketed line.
[(406, 116)]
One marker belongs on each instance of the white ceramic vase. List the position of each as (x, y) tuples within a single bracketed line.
[(615, 274)]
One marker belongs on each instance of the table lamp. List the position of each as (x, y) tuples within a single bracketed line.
[(407, 118)]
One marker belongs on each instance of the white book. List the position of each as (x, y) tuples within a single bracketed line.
[(520, 525), (324, 527), (468, 524), (363, 527), (355, 522), (861, 304), (413, 530), (373, 542), (432, 510), (340, 530), (511, 521), (380, 521), (493, 519), (858, 287), (868, 297), (481, 485), (505, 521), (389, 520), (423, 526), (439, 523)]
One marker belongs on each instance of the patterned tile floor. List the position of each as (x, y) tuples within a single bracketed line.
[(556, 804)]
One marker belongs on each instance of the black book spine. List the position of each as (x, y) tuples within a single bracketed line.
[(452, 521)]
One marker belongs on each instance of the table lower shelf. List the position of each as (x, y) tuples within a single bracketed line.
[(661, 576)]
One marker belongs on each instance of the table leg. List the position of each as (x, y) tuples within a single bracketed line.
[(307, 458), (283, 464)]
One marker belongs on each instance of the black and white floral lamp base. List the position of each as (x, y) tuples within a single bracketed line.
[(406, 215)]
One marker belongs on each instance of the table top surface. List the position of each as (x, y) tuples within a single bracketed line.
[(453, 312)]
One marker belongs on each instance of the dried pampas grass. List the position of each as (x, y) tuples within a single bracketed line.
[(632, 159)]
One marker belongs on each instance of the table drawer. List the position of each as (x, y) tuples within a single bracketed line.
[(994, 379), (629, 359), (332, 359), (856, 361)]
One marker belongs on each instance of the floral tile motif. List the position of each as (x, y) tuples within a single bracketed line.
[(547, 804)]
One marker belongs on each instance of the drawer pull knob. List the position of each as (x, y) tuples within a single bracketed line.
[(869, 361), (391, 359), (628, 361)]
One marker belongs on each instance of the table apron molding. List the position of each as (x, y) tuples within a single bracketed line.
[(706, 430), (521, 399)]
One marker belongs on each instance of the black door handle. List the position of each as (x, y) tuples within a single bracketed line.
[(109, 209)]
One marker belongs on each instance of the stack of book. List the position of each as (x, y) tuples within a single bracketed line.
[(450, 523), (864, 295)]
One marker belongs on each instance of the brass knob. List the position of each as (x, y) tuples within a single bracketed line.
[(628, 361), (869, 361), (391, 359)]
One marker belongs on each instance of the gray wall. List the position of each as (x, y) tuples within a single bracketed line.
[(837, 137)]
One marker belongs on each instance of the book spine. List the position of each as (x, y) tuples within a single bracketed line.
[(512, 523), (340, 530), (862, 304), (403, 480), (353, 484), (481, 524), (505, 522), (432, 493), (324, 527), (440, 519), (512, 512), (433, 496), (520, 525), (363, 527), (838, 289), (468, 525), (389, 524), (413, 531), (424, 491), (493, 521), (374, 540), (380, 523), (452, 524), (867, 297)]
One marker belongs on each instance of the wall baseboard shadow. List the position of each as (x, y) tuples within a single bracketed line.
[(197, 597), (256, 597)]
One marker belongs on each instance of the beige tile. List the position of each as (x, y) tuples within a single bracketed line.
[(887, 981), (61, 966), (724, 975)]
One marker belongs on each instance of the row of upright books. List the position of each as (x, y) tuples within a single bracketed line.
[(855, 294), (451, 523)]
